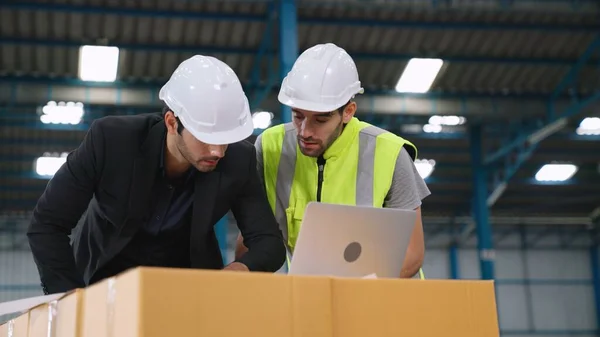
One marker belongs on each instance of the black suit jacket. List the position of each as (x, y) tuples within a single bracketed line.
[(111, 175)]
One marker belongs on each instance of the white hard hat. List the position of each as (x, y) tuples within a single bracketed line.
[(323, 79), (207, 97)]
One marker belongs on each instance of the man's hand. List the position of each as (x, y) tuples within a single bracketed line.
[(236, 266), (415, 252), (240, 249)]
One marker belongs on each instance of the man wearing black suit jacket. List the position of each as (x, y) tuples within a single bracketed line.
[(155, 185)]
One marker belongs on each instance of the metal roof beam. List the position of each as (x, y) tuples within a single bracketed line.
[(553, 123), (467, 26), (155, 84), (130, 46), (433, 150), (526, 142), (542, 61), (32, 122), (39, 90), (403, 24), (133, 12)]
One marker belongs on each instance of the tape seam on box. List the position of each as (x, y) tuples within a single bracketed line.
[(11, 327), (52, 313), (110, 306)]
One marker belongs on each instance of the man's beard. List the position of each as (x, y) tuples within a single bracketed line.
[(332, 138), (195, 163)]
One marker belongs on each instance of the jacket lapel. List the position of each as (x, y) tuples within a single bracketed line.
[(145, 169)]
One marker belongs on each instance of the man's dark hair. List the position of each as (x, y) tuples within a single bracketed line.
[(180, 126), (343, 107)]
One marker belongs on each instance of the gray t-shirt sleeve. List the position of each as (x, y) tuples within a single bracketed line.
[(259, 158), (408, 188)]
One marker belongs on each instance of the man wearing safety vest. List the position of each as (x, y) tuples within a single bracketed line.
[(326, 154)]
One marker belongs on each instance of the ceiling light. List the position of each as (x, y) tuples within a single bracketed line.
[(447, 120), (556, 172), (262, 119), (432, 128), (419, 74), (589, 126), (98, 63), (47, 165), (425, 167), (62, 113)]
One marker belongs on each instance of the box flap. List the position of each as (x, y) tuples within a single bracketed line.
[(26, 304)]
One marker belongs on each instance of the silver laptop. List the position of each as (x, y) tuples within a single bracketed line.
[(352, 241)]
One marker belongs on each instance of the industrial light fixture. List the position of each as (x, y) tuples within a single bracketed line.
[(419, 74), (49, 163), (62, 113), (98, 63), (447, 120), (589, 126), (436, 123), (556, 172), (262, 119), (425, 167), (432, 128)]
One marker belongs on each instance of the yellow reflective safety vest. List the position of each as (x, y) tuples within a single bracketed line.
[(292, 180)]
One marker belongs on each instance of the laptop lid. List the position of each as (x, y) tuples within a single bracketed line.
[(352, 241)]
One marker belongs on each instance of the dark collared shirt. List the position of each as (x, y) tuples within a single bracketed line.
[(171, 200), (164, 240)]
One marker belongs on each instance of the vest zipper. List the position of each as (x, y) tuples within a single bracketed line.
[(321, 166)]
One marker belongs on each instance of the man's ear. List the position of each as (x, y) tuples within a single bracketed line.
[(349, 112), (171, 122)]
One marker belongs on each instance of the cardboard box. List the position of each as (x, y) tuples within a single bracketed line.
[(58, 315), (431, 308), (167, 302), (69, 319), (17, 327), (62, 317), (157, 302)]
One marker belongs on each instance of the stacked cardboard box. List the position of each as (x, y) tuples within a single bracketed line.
[(61, 315), (166, 302)]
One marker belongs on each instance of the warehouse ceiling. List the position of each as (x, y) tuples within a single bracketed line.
[(526, 73)]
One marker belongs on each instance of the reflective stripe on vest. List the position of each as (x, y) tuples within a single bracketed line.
[(291, 178)]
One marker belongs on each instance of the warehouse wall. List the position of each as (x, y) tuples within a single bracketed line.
[(18, 276), (539, 291), (545, 291)]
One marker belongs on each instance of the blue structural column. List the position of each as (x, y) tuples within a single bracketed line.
[(595, 261), (480, 208), (288, 45), (221, 233), (454, 266)]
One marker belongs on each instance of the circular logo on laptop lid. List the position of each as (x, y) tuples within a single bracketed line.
[(352, 252)]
